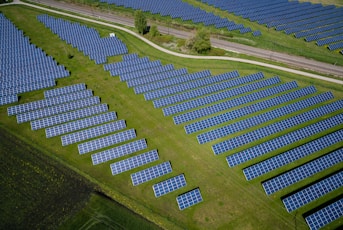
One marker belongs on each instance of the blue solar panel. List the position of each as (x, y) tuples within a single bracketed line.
[(193, 93), (276, 127), (27, 88), (118, 151), (262, 118), (278, 142), (64, 90), (80, 124), (138, 67), (214, 108), (8, 99), (124, 64), (151, 173), (145, 72), (66, 117), (225, 117), (228, 86), (34, 105), (297, 153), (313, 192), (106, 141), (325, 215), (189, 199), (57, 109), (134, 162), (92, 132), (169, 185)]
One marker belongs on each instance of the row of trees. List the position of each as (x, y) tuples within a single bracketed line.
[(200, 43)]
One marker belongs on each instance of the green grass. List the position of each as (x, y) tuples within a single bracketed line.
[(230, 202)]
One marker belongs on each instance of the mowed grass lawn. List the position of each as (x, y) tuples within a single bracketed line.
[(230, 202)]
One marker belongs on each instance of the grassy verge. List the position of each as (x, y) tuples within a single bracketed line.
[(230, 202)]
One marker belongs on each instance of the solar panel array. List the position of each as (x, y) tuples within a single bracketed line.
[(325, 215), (92, 132), (85, 39), (134, 162), (106, 141), (169, 185), (182, 10), (303, 19), (292, 155), (189, 199), (151, 173), (282, 141), (313, 192), (23, 66)]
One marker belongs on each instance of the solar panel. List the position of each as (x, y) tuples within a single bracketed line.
[(169, 185), (134, 162), (225, 117), (106, 141), (276, 127), (297, 153), (92, 132), (283, 140), (151, 173), (8, 99), (65, 117), (262, 118), (119, 151), (313, 192), (189, 199), (80, 124), (34, 105), (64, 90), (325, 215), (57, 109)]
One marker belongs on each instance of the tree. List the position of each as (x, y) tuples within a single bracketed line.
[(154, 31), (200, 43), (140, 22)]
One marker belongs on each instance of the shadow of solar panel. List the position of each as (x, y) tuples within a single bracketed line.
[(106, 141), (189, 199), (263, 167), (325, 215), (134, 162), (119, 151), (80, 124), (151, 173), (262, 118), (169, 185), (66, 117), (64, 90), (57, 109), (225, 117), (35, 105), (92, 132), (313, 192), (276, 127), (297, 153)]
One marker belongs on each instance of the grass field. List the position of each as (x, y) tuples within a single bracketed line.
[(230, 202)]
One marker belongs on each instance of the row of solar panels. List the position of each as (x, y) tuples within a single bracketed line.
[(312, 111), (315, 22), (86, 40), (100, 131), (182, 10), (23, 66)]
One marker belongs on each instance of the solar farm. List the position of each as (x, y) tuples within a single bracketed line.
[(184, 146)]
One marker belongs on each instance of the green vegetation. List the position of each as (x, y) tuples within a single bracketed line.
[(140, 22), (230, 202), (200, 43)]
